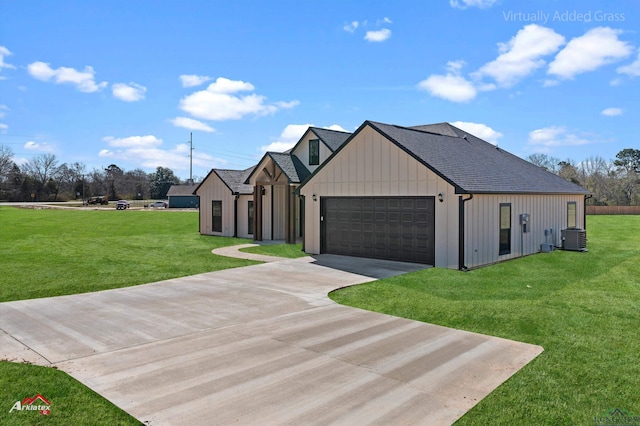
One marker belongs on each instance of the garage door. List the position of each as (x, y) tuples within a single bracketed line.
[(394, 228)]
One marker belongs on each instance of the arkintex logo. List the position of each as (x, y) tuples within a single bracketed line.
[(37, 403)]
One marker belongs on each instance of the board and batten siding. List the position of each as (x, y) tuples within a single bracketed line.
[(216, 189), (243, 216), (371, 165), (482, 216), (302, 151)]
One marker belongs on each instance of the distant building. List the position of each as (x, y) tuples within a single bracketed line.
[(182, 197)]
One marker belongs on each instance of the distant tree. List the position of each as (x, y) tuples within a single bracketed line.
[(568, 171), (161, 181), (629, 160), (40, 169), (6, 165), (545, 161)]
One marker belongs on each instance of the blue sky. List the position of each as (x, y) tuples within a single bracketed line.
[(125, 82)]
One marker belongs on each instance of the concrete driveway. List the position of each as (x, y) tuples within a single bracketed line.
[(261, 345)]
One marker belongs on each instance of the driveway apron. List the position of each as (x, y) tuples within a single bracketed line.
[(261, 345)]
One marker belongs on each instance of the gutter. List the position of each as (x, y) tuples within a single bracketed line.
[(461, 201)]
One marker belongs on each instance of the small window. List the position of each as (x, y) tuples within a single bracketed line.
[(314, 152), (216, 214), (505, 228), (571, 214), (250, 215)]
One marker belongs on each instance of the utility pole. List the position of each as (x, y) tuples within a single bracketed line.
[(191, 158)]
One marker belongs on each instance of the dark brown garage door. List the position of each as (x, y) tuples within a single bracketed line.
[(394, 228)]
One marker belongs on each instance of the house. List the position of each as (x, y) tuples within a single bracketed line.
[(226, 203), (260, 202), (433, 194), (182, 197)]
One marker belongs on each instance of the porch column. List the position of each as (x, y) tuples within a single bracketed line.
[(290, 213), (257, 213)]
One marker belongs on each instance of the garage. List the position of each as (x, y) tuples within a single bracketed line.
[(393, 228)]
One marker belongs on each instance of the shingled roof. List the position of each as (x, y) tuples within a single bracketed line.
[(331, 138), (233, 179), (472, 165), (290, 165)]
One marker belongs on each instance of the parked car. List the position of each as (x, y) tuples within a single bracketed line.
[(122, 205), (162, 204), (100, 199)]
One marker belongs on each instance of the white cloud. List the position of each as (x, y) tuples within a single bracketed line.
[(133, 141), (597, 47), (3, 108), (463, 4), (351, 27), (521, 55), (146, 152), (451, 87), (4, 128), (337, 127), (479, 130), (5, 52), (612, 112), (378, 36), (192, 80), (39, 147), (191, 124), (547, 138), (291, 135), (220, 102), (633, 69), (131, 92), (83, 80)]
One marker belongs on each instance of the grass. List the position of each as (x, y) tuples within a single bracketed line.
[(583, 308), (281, 250), (71, 402), (52, 252)]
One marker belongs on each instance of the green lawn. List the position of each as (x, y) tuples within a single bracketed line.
[(55, 252), (583, 308)]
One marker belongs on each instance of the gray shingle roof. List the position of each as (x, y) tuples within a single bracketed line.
[(332, 138), (177, 190), (471, 164), (291, 166), (234, 179)]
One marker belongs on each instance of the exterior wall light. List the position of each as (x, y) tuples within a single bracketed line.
[(315, 197), (440, 197)]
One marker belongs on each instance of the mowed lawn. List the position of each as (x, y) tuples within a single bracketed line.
[(583, 308), (51, 252)]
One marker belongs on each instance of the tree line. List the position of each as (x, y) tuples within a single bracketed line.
[(612, 182), (43, 178)]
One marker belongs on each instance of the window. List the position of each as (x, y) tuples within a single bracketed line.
[(314, 152), (216, 213), (250, 215), (505, 228), (571, 214)]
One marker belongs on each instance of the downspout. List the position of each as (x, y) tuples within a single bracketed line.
[(584, 211), (302, 221), (461, 201)]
